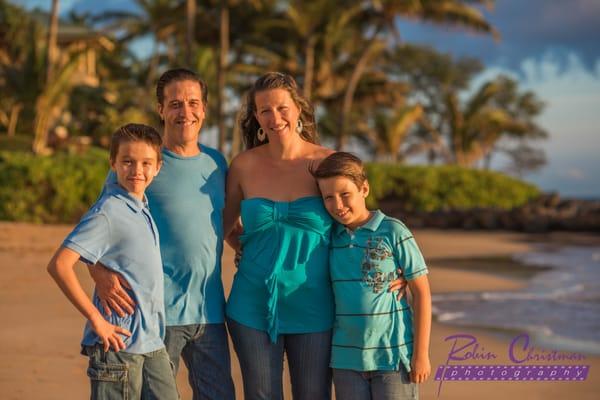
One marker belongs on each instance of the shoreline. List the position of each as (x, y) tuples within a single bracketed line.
[(40, 336)]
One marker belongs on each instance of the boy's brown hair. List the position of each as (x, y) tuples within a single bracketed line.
[(342, 164), (135, 133)]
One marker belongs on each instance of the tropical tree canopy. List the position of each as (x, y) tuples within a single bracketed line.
[(394, 98)]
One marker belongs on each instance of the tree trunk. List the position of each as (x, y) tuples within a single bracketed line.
[(41, 112), (309, 67), (191, 29), (236, 136), (222, 72), (51, 51), (153, 66), (14, 117), (357, 73), (40, 126)]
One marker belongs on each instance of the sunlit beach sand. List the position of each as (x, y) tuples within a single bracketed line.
[(40, 333)]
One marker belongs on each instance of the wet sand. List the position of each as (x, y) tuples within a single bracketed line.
[(40, 331)]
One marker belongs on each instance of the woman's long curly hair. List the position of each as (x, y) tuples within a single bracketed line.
[(269, 81)]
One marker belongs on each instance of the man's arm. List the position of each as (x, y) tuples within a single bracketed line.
[(61, 268), (110, 289)]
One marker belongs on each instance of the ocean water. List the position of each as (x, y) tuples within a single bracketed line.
[(559, 307)]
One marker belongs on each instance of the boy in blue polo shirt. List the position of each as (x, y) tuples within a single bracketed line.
[(127, 354), (380, 346)]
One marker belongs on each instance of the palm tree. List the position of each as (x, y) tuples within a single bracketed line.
[(381, 15), (52, 100), (390, 129), (241, 8), (51, 41), (309, 23), (222, 70), (432, 76), (190, 30), (41, 118), (161, 19), (19, 80), (497, 110)]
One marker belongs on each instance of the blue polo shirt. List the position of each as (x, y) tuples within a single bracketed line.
[(373, 329), (118, 231)]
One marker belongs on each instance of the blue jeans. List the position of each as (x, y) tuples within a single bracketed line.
[(261, 363), (373, 385), (120, 375), (205, 352)]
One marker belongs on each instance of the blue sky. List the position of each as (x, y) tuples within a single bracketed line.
[(551, 46)]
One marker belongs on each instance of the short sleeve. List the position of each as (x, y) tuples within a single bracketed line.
[(218, 158), (409, 256), (90, 238)]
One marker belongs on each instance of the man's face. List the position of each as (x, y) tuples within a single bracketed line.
[(182, 111)]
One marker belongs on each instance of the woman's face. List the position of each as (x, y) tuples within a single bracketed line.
[(276, 112)]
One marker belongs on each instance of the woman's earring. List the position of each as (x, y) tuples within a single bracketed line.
[(300, 126), (261, 135)]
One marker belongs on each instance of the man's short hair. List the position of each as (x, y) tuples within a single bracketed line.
[(135, 133), (178, 75)]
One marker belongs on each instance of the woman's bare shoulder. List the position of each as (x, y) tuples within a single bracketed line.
[(318, 152), (247, 157)]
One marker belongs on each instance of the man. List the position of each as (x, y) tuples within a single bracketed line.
[(186, 200)]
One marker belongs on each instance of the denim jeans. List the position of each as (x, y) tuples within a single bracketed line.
[(120, 375), (261, 363), (205, 352), (373, 385)]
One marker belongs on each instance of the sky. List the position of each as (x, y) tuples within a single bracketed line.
[(551, 46)]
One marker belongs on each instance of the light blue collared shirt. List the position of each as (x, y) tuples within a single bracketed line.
[(119, 232)]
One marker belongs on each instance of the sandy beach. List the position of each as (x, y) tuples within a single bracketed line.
[(40, 331)]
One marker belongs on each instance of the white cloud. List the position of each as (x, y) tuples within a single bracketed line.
[(575, 174)]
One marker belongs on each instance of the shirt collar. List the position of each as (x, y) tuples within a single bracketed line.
[(137, 205), (372, 224)]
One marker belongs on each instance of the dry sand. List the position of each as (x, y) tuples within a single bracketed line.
[(40, 330)]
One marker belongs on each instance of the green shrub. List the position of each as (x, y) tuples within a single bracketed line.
[(51, 189), (15, 143), (60, 188), (425, 188)]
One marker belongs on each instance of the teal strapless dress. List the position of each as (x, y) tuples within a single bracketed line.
[(282, 284)]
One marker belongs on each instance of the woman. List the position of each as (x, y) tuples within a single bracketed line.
[(281, 298)]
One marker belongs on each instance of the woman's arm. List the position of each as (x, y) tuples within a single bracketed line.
[(233, 198), (61, 268), (420, 364)]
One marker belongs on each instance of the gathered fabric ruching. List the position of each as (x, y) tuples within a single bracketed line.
[(282, 284)]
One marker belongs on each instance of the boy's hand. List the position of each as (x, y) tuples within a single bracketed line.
[(110, 290), (109, 334), (398, 285), (420, 369)]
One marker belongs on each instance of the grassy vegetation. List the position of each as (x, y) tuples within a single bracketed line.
[(61, 188), (52, 189), (421, 188)]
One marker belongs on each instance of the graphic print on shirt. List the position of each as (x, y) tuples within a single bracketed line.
[(373, 274)]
